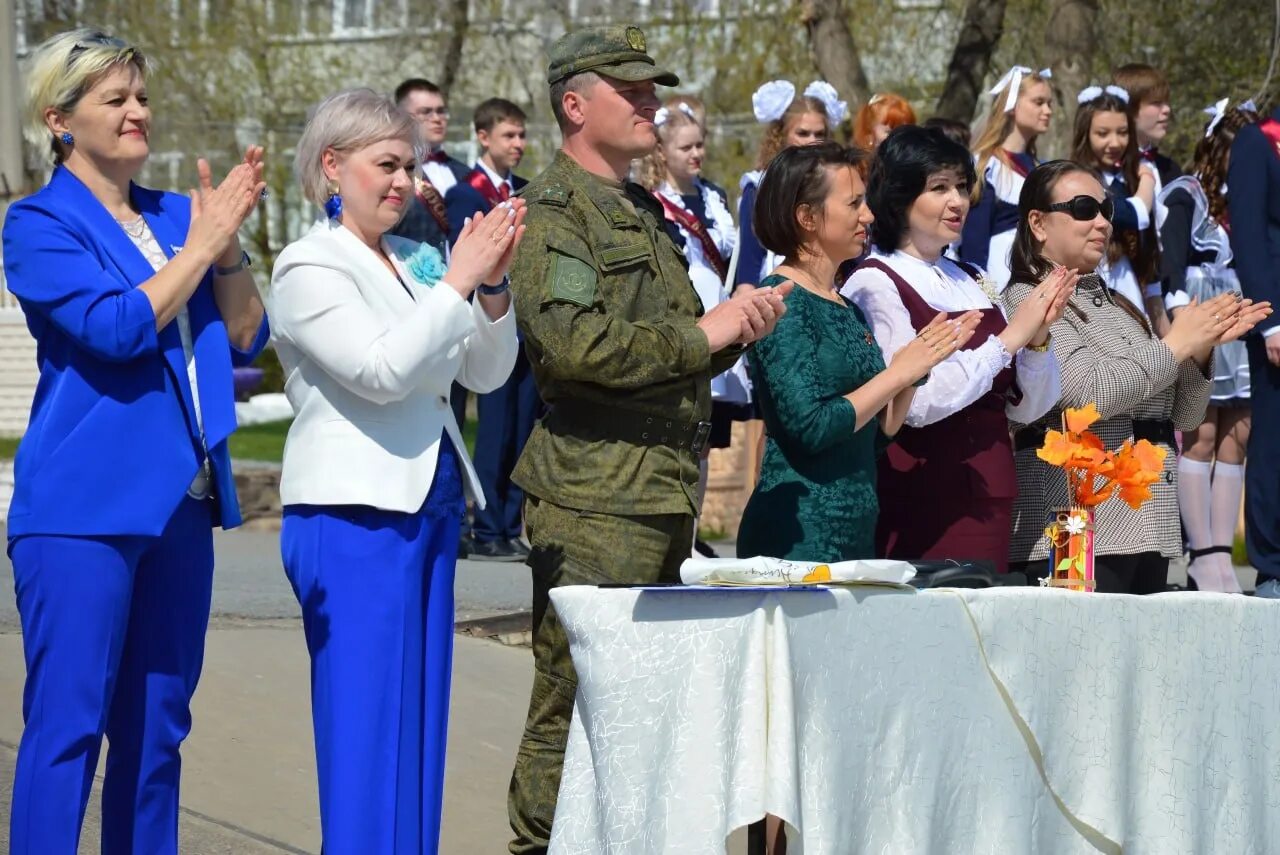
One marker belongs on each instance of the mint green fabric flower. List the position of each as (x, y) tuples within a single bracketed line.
[(426, 265)]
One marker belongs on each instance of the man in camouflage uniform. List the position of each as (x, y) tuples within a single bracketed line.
[(623, 357)]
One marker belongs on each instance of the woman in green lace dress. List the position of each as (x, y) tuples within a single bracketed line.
[(824, 390)]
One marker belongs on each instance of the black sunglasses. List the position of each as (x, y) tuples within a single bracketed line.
[(97, 39), (1085, 208)]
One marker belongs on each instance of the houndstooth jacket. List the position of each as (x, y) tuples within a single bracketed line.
[(1109, 359)]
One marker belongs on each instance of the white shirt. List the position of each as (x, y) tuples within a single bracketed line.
[(966, 375), (440, 176), (494, 178), (146, 243)]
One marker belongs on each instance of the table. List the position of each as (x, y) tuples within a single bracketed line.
[(877, 721)]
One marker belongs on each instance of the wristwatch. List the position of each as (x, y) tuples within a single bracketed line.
[(244, 263), (495, 290), (1041, 348)]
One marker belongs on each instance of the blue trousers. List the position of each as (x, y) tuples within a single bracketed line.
[(376, 589), (505, 419), (113, 635)]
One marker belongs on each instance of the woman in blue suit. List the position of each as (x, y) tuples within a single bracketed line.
[(140, 304)]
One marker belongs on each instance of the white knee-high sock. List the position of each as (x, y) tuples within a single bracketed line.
[(1226, 491), (1194, 501)]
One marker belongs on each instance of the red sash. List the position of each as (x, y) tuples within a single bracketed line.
[(1015, 165), (479, 180), (689, 222), (1271, 130), (434, 202)]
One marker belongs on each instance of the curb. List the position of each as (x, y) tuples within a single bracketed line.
[(513, 630)]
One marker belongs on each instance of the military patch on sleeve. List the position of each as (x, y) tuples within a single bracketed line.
[(572, 280)]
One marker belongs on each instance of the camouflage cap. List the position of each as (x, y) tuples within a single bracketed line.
[(616, 52)]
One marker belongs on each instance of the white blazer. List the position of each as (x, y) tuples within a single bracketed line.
[(368, 369)]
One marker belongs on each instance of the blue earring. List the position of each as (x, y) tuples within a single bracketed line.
[(333, 205), (66, 138)]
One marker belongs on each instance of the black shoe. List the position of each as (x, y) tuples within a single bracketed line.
[(465, 545), (494, 550), (704, 549), (519, 547)]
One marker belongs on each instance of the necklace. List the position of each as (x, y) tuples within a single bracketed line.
[(807, 282), (134, 228)]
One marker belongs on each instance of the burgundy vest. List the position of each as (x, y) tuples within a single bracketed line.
[(967, 454)]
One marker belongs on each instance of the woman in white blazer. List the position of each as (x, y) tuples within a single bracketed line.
[(371, 331)]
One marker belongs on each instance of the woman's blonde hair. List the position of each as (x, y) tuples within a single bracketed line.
[(996, 129), (775, 133), (63, 68), (346, 121), (681, 111)]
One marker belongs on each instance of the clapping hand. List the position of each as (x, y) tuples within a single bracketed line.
[(1039, 310), (1248, 315), (749, 315), (218, 212), (935, 343), (485, 247)]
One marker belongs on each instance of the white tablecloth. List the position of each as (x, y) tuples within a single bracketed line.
[(883, 722)]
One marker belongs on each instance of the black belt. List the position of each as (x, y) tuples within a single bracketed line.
[(1158, 431), (630, 426)]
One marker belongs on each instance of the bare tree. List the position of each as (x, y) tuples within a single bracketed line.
[(1070, 38), (971, 59), (459, 23), (833, 48)]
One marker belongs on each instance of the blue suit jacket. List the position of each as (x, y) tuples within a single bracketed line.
[(1253, 177), (112, 444), (464, 201), (418, 223)]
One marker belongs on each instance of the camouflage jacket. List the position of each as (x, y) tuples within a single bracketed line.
[(609, 318)]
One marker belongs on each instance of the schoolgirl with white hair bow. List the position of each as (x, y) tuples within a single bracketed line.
[(790, 118), (1197, 264), (1004, 152), (698, 211), (1105, 139)]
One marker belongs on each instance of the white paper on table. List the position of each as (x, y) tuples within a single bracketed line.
[(762, 570)]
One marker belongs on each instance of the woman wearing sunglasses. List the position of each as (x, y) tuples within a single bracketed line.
[(1145, 387)]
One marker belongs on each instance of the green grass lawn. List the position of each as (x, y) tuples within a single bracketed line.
[(266, 441), (254, 442)]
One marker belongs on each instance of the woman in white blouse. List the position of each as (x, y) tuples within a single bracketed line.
[(372, 331), (947, 484)]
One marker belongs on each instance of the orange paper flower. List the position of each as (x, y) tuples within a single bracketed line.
[(1079, 421), (1095, 474)]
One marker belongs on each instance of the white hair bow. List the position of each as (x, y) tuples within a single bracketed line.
[(826, 93), (661, 117), (1092, 93), (772, 99), (1012, 81), (1216, 111)]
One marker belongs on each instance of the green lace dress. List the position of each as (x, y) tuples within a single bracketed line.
[(816, 499)]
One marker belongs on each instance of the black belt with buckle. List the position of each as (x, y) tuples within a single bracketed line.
[(1158, 431), (631, 426)]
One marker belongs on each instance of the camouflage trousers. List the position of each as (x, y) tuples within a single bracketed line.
[(572, 547)]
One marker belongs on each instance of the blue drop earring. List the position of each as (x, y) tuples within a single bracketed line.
[(66, 138), (333, 205)]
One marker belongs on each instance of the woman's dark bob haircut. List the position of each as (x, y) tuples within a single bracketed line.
[(902, 165), (1026, 264), (797, 176)]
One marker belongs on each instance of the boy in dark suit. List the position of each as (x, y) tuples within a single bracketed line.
[(1254, 207), (506, 415)]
